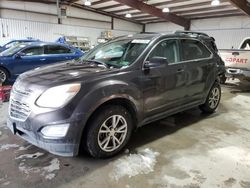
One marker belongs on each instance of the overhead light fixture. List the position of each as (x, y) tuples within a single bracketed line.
[(128, 15), (165, 10), (215, 2), (87, 3)]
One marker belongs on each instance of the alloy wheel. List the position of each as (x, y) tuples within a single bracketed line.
[(112, 133), (2, 76), (214, 98)]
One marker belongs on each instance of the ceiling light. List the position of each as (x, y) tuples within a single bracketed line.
[(165, 10), (215, 2), (128, 15), (87, 3)]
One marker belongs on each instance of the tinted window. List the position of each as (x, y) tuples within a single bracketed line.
[(193, 49), (167, 49), (57, 50), (33, 51)]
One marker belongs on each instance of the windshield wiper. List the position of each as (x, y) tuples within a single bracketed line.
[(98, 62)]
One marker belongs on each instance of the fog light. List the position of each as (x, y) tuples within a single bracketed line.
[(55, 131)]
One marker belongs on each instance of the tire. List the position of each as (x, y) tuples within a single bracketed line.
[(3, 75), (213, 99), (102, 140)]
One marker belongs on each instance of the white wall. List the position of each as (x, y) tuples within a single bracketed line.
[(228, 32), (22, 19)]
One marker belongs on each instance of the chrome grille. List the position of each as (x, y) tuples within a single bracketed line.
[(19, 110)]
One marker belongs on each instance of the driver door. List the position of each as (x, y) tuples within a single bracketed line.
[(29, 58), (164, 84)]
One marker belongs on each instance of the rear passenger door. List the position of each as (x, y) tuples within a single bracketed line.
[(57, 53), (164, 86), (199, 67)]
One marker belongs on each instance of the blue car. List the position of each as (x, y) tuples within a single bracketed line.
[(27, 56), (15, 42)]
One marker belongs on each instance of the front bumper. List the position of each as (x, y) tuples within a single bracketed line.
[(66, 146), (26, 120)]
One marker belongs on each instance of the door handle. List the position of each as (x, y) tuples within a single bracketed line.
[(43, 59), (180, 70), (235, 53)]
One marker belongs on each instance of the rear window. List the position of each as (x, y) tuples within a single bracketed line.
[(246, 45), (193, 49)]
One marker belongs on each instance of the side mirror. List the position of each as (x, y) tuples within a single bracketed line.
[(19, 55), (155, 62)]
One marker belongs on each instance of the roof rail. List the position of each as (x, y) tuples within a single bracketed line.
[(192, 33)]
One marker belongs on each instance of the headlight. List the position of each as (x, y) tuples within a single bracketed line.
[(55, 131), (58, 96)]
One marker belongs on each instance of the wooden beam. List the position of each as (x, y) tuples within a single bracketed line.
[(242, 4), (143, 7)]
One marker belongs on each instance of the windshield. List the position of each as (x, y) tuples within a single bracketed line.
[(119, 54), (11, 51), (246, 45)]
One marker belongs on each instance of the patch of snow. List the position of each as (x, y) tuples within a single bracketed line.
[(44, 171), (30, 156), (27, 169), (8, 146), (243, 101), (6, 183), (50, 176), (54, 165), (134, 164), (22, 148), (208, 169)]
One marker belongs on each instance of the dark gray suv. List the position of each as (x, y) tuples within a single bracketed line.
[(95, 103)]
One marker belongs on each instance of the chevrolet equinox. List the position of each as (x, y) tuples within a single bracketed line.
[(96, 102)]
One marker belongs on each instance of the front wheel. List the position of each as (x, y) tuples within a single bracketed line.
[(108, 132), (3, 75), (213, 99)]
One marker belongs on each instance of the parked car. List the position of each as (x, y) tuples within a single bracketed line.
[(15, 42), (95, 103), (237, 61), (27, 56)]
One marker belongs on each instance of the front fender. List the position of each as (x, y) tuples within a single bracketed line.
[(106, 91)]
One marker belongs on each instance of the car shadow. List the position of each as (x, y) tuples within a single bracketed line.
[(165, 127)]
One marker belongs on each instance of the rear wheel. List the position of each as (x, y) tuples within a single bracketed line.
[(212, 100), (3, 75), (109, 131)]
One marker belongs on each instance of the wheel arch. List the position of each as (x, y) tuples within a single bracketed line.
[(119, 101)]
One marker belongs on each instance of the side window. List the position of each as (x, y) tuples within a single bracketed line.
[(193, 49), (167, 49), (54, 49), (33, 51)]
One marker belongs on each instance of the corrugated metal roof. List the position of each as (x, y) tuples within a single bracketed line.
[(189, 9)]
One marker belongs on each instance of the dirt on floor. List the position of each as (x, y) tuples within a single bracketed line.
[(187, 150)]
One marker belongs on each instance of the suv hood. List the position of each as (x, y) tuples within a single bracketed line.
[(70, 71)]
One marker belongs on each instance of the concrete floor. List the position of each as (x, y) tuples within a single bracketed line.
[(185, 150)]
